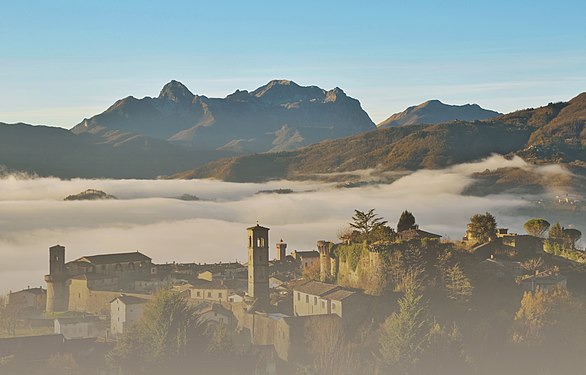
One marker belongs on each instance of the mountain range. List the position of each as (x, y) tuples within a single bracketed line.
[(551, 134), (283, 130), (278, 116)]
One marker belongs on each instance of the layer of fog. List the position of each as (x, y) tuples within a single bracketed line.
[(33, 215)]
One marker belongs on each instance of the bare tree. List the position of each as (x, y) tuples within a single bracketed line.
[(9, 314), (331, 349)]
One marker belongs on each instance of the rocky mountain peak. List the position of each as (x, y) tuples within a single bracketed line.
[(177, 92)]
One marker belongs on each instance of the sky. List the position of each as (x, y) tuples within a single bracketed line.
[(147, 218), (62, 61)]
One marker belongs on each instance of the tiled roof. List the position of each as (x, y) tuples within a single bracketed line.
[(417, 233), (130, 300), (339, 295), (115, 258), (307, 254), (315, 288), (37, 291)]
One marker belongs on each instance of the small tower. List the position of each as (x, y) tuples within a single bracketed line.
[(57, 290), (324, 260), (281, 251), (258, 264)]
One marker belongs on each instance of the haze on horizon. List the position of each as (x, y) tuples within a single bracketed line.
[(147, 218), (63, 61)]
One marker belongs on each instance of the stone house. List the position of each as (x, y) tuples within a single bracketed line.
[(215, 313), (416, 233), (28, 300), (306, 258), (317, 298), (217, 290), (124, 312)]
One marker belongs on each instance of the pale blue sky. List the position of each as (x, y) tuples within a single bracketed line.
[(61, 61)]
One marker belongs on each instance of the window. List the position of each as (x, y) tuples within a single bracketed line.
[(209, 294), (306, 299), (315, 300), (298, 296), (323, 304), (333, 306), (198, 293), (219, 295)]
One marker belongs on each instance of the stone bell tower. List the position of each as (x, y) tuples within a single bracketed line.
[(57, 290), (258, 264), (281, 251), (325, 266)]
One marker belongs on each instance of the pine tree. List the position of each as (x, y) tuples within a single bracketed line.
[(406, 221), (403, 337)]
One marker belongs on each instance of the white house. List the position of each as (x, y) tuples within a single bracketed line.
[(79, 327), (124, 312), (317, 298)]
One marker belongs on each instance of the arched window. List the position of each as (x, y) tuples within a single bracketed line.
[(131, 266), (118, 267)]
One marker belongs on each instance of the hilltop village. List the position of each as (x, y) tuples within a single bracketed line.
[(294, 311)]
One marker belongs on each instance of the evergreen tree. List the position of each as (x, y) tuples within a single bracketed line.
[(457, 284), (406, 221), (168, 329), (367, 222), (403, 336)]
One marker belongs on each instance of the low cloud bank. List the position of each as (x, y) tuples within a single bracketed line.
[(34, 215)]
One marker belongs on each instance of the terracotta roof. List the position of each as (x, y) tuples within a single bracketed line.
[(417, 233), (130, 300), (37, 291), (315, 288), (115, 258)]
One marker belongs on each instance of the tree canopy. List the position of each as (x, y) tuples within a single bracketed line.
[(483, 227), (537, 227)]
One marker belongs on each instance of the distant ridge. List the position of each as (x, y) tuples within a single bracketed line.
[(278, 116), (436, 112)]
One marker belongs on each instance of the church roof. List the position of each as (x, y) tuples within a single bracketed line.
[(115, 258)]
